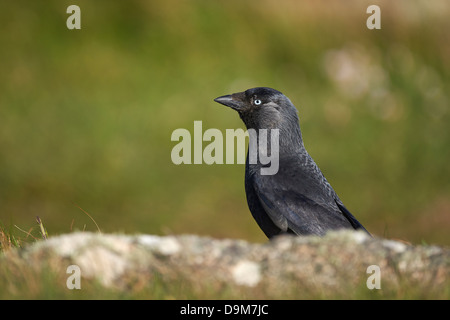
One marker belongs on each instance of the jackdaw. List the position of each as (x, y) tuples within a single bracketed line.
[(297, 199)]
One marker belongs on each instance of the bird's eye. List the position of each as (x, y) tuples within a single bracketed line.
[(257, 102)]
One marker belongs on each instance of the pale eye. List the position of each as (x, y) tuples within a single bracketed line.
[(257, 102)]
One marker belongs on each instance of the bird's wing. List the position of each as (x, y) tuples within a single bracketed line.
[(302, 201), (355, 223)]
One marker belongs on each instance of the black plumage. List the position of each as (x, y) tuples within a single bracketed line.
[(297, 198)]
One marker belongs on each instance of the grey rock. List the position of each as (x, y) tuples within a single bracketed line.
[(285, 264)]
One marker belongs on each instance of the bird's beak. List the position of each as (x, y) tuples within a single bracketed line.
[(230, 101)]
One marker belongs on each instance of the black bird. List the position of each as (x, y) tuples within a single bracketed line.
[(297, 199)]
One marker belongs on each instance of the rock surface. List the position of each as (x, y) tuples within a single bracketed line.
[(286, 264)]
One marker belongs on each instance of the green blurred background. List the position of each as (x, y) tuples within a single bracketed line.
[(86, 116)]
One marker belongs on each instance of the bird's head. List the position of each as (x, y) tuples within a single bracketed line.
[(262, 108)]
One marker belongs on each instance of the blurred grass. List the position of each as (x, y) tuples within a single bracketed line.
[(86, 115)]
